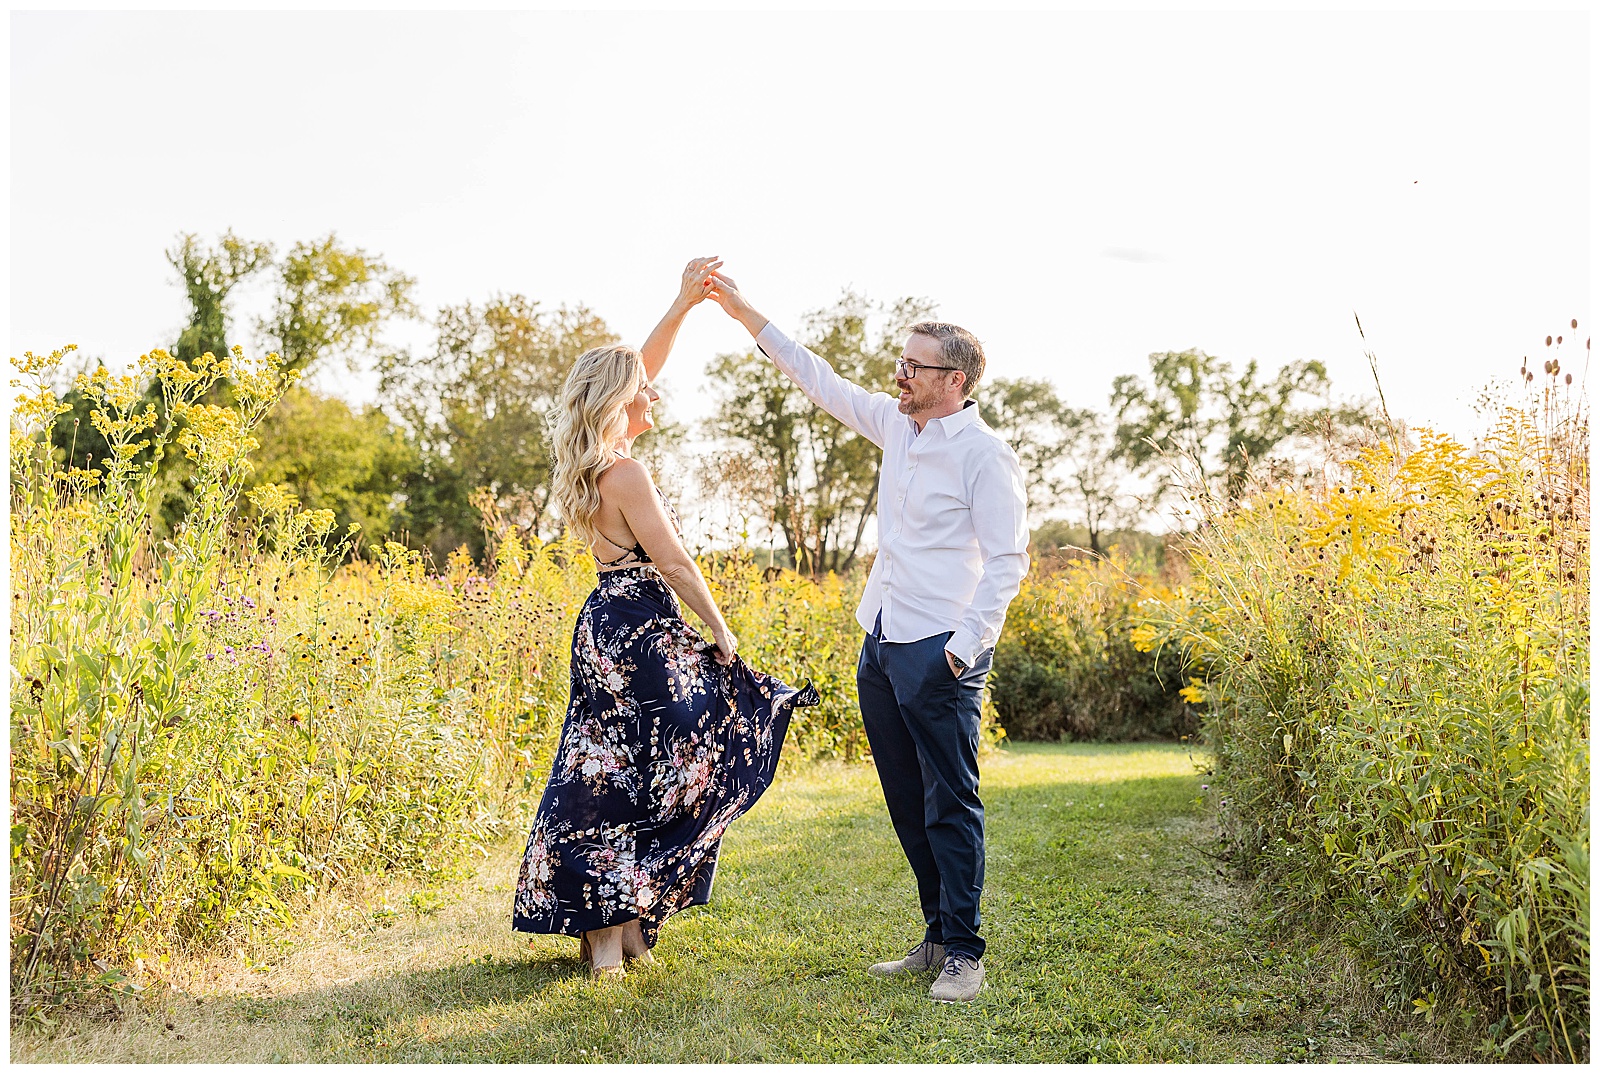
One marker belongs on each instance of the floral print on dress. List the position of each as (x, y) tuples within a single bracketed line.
[(534, 896), (681, 780), (598, 753), (661, 750), (684, 658)]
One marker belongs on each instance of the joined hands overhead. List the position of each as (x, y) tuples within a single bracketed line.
[(698, 280)]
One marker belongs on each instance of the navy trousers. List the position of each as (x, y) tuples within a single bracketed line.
[(922, 724)]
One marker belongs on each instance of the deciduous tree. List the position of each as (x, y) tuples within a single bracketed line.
[(1032, 418), (1196, 407), (334, 301), (822, 477), (1101, 488), (354, 463), (209, 275), (477, 408)]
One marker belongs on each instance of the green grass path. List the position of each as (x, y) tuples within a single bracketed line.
[(1111, 937)]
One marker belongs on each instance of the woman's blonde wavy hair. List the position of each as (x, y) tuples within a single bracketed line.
[(591, 421)]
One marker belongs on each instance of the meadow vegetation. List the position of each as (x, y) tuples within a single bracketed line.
[(1396, 675), (207, 728), (265, 648), (1069, 670)]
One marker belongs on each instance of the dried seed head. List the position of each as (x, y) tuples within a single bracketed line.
[(1574, 322), (1558, 339), (1547, 341), (1555, 366), (1569, 378), (1547, 366)]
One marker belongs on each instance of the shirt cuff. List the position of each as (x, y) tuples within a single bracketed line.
[(771, 340), (963, 645)]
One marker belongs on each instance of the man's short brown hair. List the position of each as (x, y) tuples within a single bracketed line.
[(958, 348)]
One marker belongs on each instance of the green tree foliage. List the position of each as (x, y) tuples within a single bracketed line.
[(209, 275), (1070, 458), (817, 480), (354, 464), (332, 301), (1196, 407), (1146, 552), (1032, 418), (477, 409), (1101, 488)]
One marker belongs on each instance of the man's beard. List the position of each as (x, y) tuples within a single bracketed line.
[(913, 406)]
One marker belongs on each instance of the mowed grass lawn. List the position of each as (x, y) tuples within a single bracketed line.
[(1112, 936)]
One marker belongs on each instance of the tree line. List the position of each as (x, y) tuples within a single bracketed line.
[(458, 433)]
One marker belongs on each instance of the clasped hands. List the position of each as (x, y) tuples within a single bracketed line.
[(702, 280)]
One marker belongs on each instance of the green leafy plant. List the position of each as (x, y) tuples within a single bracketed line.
[(1069, 666), (1396, 668)]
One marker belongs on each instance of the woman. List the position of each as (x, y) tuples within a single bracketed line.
[(668, 739)]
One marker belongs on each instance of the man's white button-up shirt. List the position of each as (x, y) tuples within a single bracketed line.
[(952, 511)]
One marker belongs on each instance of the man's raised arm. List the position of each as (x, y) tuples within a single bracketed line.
[(868, 413)]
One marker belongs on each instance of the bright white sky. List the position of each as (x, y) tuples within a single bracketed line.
[(1078, 189)]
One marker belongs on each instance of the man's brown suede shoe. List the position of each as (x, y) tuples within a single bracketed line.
[(924, 958)]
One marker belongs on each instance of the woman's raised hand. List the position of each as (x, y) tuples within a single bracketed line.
[(697, 281)]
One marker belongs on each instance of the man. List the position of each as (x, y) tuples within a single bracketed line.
[(952, 551)]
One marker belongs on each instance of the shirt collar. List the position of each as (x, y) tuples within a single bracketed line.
[(951, 424)]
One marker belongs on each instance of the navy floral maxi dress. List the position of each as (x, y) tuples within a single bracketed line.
[(662, 749)]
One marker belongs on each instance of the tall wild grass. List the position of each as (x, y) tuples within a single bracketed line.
[(1397, 676)]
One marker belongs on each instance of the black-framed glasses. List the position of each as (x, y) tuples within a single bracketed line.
[(908, 370)]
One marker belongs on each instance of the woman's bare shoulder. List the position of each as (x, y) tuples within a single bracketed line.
[(626, 477)]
